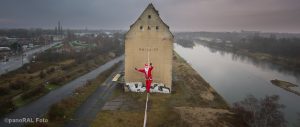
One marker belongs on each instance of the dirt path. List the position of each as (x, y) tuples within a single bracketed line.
[(94, 103)]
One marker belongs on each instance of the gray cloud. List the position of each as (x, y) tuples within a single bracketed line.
[(180, 15)]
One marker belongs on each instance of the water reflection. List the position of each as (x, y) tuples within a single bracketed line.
[(234, 76), (265, 65), (186, 43)]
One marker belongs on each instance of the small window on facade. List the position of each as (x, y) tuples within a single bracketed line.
[(157, 27), (149, 16), (141, 27), (149, 28)]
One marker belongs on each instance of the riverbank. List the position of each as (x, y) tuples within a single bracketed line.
[(287, 63), (193, 102), (285, 85), (236, 76)]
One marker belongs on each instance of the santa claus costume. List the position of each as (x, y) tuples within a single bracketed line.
[(147, 70)]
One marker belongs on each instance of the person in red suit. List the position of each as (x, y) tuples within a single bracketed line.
[(147, 70)]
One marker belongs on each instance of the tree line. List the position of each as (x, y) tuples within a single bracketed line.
[(284, 47)]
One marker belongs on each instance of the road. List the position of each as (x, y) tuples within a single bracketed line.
[(94, 103), (39, 107), (15, 62)]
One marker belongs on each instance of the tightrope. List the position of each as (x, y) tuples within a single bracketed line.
[(146, 108)]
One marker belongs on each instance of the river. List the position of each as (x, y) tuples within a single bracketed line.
[(235, 76)]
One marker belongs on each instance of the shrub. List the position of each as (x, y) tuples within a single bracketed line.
[(89, 82), (68, 67), (42, 74), (6, 106), (50, 70), (59, 110), (19, 84), (34, 92), (263, 112), (4, 91), (56, 112), (57, 80)]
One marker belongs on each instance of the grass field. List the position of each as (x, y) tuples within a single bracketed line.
[(193, 102), (24, 87), (62, 112)]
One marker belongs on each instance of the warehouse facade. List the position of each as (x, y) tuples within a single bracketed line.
[(149, 40)]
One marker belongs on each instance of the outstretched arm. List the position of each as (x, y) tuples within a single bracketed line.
[(140, 70)]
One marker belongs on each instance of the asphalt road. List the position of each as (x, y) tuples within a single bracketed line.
[(15, 62), (94, 103), (39, 107)]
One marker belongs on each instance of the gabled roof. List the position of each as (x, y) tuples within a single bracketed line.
[(150, 6)]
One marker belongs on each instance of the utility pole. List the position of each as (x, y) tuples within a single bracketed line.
[(22, 56), (45, 43), (18, 49)]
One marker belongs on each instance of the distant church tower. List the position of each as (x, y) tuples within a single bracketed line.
[(149, 36)]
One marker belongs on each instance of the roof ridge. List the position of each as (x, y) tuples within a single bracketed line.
[(151, 6)]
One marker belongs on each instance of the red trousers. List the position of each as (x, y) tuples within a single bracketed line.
[(148, 84)]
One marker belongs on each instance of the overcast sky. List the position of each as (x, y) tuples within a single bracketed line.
[(180, 15)]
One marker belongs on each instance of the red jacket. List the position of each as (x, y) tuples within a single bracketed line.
[(147, 72)]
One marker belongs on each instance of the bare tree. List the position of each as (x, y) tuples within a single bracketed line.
[(263, 112)]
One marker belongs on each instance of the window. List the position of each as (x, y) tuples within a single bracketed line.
[(149, 16), (149, 28), (157, 27), (141, 27)]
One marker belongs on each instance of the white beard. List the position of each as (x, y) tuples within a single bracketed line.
[(146, 70)]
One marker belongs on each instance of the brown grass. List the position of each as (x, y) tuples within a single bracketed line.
[(63, 111), (33, 79), (191, 95)]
